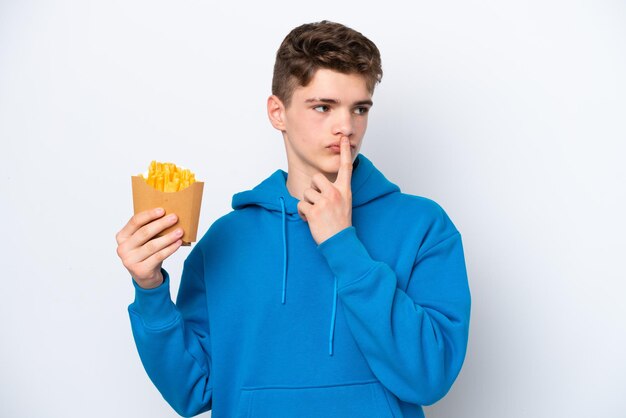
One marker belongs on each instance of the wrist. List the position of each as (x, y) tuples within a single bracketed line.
[(347, 257), (332, 233), (151, 283), (154, 306)]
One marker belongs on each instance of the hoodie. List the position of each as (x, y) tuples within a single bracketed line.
[(372, 322)]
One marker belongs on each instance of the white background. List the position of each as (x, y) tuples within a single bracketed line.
[(511, 115)]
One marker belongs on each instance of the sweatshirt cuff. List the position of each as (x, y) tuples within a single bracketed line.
[(155, 306), (347, 256)]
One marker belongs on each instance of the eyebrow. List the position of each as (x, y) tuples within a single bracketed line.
[(337, 101)]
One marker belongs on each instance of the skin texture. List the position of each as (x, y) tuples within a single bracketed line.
[(322, 128), (332, 108)]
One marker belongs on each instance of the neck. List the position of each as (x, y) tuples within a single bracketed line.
[(299, 180)]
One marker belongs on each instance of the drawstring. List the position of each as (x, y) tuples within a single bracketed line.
[(333, 316), (282, 204)]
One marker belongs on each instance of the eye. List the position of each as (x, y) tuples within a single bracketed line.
[(361, 110), (321, 108)]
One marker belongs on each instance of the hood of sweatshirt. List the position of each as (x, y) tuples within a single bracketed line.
[(367, 182)]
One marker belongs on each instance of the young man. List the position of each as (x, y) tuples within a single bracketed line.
[(326, 292)]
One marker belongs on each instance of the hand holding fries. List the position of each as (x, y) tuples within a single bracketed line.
[(140, 252), (167, 206), (173, 189)]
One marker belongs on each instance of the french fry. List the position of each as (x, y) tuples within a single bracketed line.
[(167, 177)]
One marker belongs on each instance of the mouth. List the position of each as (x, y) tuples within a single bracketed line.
[(337, 147)]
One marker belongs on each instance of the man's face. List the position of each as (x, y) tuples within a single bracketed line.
[(332, 105)]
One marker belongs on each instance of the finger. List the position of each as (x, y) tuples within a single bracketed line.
[(320, 183), (158, 257), (311, 196), (344, 176), (154, 246), (150, 230), (303, 209), (138, 221)]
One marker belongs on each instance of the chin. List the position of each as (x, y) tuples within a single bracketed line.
[(330, 167)]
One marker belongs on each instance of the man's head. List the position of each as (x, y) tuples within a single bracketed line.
[(324, 79), (323, 45)]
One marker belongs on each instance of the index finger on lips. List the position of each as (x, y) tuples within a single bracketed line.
[(344, 176), (137, 221)]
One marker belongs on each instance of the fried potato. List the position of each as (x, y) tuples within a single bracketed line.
[(167, 177)]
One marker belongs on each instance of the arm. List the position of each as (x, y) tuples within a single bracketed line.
[(414, 339), (173, 340)]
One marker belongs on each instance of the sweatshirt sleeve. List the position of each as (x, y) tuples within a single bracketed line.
[(173, 341), (414, 339)]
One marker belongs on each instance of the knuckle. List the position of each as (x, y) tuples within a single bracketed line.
[(145, 234), (125, 263), (151, 247), (123, 252)]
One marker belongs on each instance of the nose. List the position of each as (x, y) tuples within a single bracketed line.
[(343, 125)]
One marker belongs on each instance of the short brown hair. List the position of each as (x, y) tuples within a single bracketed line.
[(328, 45)]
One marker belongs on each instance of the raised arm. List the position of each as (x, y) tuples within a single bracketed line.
[(414, 338)]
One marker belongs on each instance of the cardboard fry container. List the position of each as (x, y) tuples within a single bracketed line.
[(185, 204)]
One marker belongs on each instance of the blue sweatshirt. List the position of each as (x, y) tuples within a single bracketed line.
[(373, 322)]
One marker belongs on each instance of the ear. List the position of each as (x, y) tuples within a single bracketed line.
[(276, 112)]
